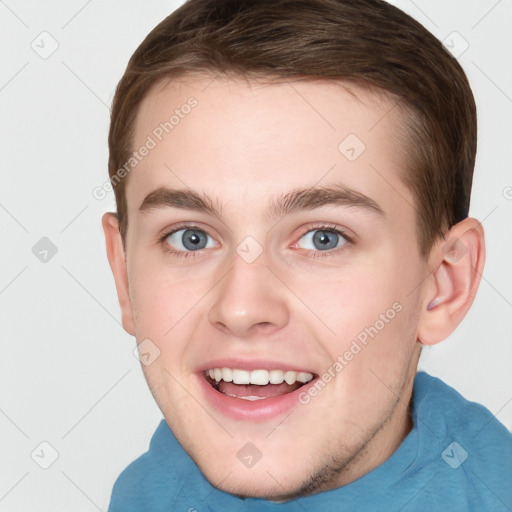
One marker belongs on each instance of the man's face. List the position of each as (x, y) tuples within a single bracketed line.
[(319, 284)]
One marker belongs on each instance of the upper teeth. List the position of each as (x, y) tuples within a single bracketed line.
[(260, 377)]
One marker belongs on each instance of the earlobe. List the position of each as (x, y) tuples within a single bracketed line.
[(459, 261), (117, 261)]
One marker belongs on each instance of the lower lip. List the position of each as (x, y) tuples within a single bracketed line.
[(257, 410)]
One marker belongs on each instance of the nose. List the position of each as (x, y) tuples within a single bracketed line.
[(250, 300)]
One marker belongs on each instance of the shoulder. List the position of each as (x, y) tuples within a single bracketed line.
[(467, 448), (469, 419)]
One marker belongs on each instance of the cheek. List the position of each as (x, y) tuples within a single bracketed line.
[(168, 307), (156, 301), (352, 298), (366, 312)]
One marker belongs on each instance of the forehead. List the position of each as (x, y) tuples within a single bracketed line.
[(233, 138)]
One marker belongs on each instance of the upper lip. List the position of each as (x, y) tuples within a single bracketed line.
[(253, 364)]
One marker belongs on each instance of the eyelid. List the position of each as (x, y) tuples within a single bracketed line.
[(168, 231), (328, 226), (330, 253), (348, 234), (325, 226)]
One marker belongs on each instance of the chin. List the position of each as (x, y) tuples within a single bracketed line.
[(261, 485)]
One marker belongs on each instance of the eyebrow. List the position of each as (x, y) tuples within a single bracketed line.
[(297, 200)]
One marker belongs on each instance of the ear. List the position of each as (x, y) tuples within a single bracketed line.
[(117, 259), (458, 262)]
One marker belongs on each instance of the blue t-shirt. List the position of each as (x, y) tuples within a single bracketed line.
[(457, 457)]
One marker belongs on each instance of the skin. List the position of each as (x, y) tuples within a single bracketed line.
[(243, 143)]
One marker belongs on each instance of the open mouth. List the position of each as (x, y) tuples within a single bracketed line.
[(256, 384)]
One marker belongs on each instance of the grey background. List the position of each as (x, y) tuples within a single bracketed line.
[(68, 376)]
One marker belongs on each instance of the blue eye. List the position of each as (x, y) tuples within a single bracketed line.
[(325, 238), (187, 239)]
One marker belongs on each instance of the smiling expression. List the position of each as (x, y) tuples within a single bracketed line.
[(266, 231)]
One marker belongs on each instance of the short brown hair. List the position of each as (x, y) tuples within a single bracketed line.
[(368, 43)]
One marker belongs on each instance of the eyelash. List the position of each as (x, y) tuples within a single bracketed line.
[(316, 254)]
